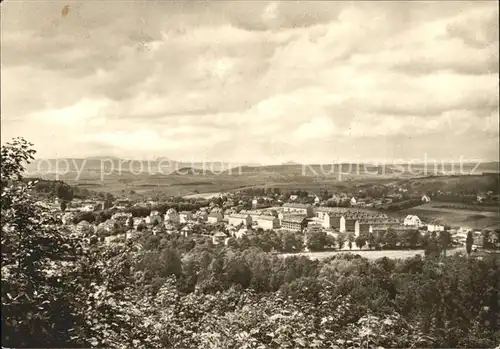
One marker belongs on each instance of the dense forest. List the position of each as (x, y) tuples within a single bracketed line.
[(61, 290)]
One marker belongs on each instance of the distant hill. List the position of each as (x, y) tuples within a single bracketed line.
[(93, 168), (96, 165)]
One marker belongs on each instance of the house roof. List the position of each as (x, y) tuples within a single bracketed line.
[(380, 221), (219, 234), (291, 205), (239, 216), (266, 218), (293, 218), (411, 217)]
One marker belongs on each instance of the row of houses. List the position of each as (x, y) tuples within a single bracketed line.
[(416, 222)]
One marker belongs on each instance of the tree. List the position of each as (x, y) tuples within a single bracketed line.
[(341, 239), (130, 223), (289, 242), (316, 240), (325, 195), (350, 239), (371, 241), (63, 191), (469, 242), (444, 241), (361, 241), (63, 205), (391, 238), (232, 243), (330, 241), (35, 306), (411, 238)]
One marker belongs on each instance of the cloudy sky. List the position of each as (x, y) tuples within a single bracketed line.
[(252, 81)]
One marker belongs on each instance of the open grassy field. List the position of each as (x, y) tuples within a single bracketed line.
[(403, 254), (202, 196), (464, 216)]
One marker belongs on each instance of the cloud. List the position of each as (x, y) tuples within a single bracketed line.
[(251, 81)]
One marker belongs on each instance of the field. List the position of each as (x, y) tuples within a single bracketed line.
[(170, 178), (206, 196), (466, 216), (402, 254)]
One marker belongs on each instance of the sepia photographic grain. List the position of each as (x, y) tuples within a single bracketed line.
[(250, 174)]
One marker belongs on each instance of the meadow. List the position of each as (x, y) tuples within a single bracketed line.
[(371, 255), (466, 216)]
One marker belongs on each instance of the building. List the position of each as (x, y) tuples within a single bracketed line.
[(129, 223), (302, 209), (478, 239), (350, 224), (334, 220), (215, 217), (320, 212), (364, 228), (254, 204), (435, 227), (219, 237), (412, 221), (338, 222), (238, 218), (294, 222), (202, 215), (171, 216), (185, 216), (240, 233), (313, 226), (186, 231), (268, 222), (157, 229), (353, 201), (425, 198)]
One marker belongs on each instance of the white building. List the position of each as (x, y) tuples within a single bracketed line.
[(412, 221), (185, 216), (202, 215), (254, 203), (240, 233), (293, 222), (334, 220), (268, 222), (237, 219), (298, 209), (425, 198), (215, 217), (353, 201), (435, 227), (219, 237)]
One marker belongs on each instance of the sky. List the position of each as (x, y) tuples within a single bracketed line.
[(256, 81)]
